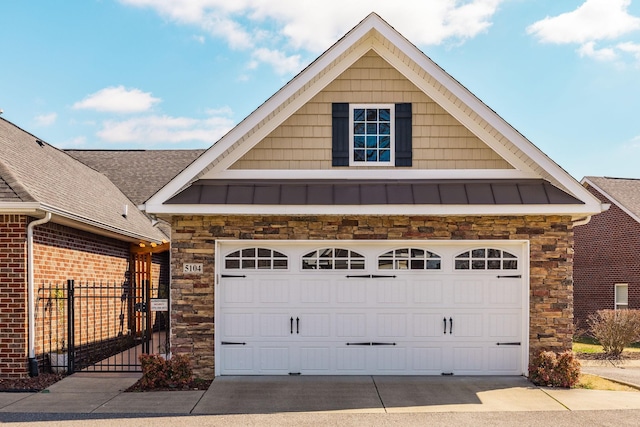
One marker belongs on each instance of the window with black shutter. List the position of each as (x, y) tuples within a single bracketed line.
[(371, 134)]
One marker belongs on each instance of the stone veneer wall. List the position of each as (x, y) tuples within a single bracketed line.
[(193, 240)]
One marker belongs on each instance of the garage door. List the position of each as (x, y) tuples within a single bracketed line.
[(380, 308)]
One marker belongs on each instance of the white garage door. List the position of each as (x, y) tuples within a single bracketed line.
[(381, 308)]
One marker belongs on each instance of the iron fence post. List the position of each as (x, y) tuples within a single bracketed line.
[(70, 327)]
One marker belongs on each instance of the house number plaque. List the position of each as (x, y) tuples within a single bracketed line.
[(194, 268)]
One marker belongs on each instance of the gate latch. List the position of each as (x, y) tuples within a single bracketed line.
[(141, 307)]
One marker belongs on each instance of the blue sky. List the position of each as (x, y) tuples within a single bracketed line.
[(180, 73)]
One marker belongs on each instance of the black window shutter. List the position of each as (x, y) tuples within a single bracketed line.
[(403, 135), (340, 134)]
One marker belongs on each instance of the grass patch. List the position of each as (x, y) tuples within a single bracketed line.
[(591, 346), (593, 382)]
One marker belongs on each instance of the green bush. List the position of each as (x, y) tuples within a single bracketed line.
[(554, 370), (160, 373), (615, 329)]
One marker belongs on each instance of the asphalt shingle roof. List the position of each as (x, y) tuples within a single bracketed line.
[(38, 172), (138, 173), (625, 191)]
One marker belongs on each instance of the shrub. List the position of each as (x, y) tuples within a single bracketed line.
[(615, 329), (160, 373), (555, 370)]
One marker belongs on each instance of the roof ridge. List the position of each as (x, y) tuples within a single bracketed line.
[(14, 183)]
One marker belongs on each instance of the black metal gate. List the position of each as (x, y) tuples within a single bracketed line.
[(100, 327)]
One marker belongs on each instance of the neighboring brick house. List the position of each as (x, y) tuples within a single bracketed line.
[(607, 250), (81, 231), (371, 217)]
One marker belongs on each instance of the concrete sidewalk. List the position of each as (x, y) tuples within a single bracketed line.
[(85, 393)]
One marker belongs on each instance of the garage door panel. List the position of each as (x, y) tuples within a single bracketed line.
[(351, 291), (427, 325), (467, 325), (504, 359), (314, 325), (351, 359), (427, 292), (427, 359), (504, 325), (275, 325), (351, 325), (238, 360), (391, 292), (390, 359), (315, 359), (274, 359), (505, 292), (315, 292), (391, 325), (238, 325), (274, 291), (468, 359), (468, 292), (239, 292)]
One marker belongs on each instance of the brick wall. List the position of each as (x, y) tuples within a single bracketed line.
[(13, 295), (607, 251), (60, 253), (193, 240)]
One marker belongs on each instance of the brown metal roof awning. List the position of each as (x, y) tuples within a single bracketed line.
[(373, 192)]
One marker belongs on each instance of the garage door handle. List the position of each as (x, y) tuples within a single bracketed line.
[(450, 325), (297, 325), (291, 324), (514, 276), (508, 343), (444, 319)]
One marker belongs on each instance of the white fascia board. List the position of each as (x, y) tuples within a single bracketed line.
[(575, 211), (262, 112), (370, 174), (478, 107), (19, 208), (613, 199)]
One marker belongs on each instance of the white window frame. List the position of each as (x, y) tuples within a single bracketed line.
[(392, 134), (619, 305)]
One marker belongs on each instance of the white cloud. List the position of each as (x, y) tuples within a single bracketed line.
[(280, 62), (604, 54), (593, 21), (46, 119), (270, 29), (118, 99), (632, 48), (166, 129)]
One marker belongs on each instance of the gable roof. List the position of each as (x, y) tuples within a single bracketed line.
[(37, 177), (137, 173), (375, 34), (624, 192)]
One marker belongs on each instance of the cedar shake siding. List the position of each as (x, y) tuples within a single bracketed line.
[(304, 141)]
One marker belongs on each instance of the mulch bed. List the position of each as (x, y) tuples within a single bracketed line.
[(195, 384), (29, 384)]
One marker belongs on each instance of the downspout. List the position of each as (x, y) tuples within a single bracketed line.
[(33, 363)]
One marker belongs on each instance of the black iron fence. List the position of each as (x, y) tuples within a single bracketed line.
[(99, 327)]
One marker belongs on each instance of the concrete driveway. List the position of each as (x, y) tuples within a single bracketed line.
[(626, 372), (379, 394)]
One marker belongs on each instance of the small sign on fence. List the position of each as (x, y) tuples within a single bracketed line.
[(159, 304), (193, 268)]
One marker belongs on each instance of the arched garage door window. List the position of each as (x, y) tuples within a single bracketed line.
[(256, 259), (486, 259), (333, 259), (409, 259)]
